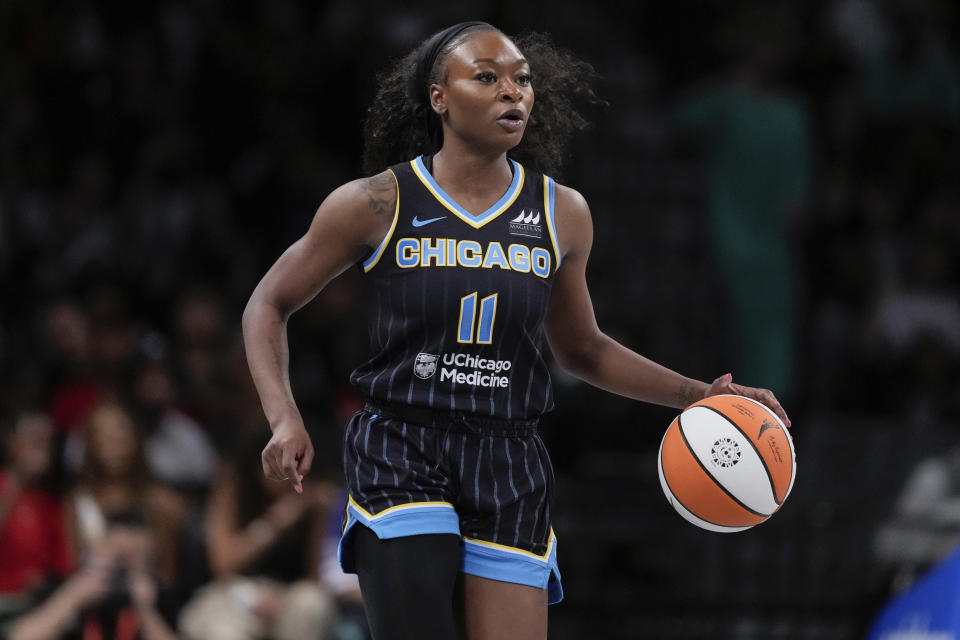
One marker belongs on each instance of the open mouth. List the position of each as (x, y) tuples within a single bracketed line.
[(511, 120), (514, 115)]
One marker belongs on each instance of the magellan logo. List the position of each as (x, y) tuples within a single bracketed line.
[(425, 365), (527, 224), (725, 453)]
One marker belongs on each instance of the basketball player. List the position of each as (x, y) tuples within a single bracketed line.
[(474, 258)]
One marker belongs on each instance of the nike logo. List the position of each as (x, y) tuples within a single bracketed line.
[(420, 223)]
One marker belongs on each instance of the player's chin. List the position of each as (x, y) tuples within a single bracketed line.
[(511, 138), (500, 140)]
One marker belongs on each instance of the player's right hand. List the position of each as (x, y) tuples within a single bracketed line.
[(289, 454)]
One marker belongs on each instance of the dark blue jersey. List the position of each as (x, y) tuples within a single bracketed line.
[(460, 299)]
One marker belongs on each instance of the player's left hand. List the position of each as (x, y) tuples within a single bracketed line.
[(724, 384)]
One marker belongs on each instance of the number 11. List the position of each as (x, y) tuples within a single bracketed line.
[(468, 309)]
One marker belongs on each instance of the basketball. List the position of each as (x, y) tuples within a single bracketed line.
[(726, 463)]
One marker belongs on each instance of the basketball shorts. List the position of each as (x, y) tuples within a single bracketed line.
[(490, 485)]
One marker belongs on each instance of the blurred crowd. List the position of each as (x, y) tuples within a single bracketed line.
[(127, 503), (156, 158), (132, 500)]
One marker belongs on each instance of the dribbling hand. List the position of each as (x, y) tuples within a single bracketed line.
[(724, 384), (289, 454)]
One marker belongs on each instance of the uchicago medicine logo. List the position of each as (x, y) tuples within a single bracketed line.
[(425, 365), (464, 368)]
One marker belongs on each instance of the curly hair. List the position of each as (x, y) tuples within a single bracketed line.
[(400, 123)]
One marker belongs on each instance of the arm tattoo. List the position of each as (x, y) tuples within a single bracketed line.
[(687, 394), (381, 193)]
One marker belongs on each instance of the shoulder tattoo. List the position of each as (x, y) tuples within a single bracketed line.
[(381, 193)]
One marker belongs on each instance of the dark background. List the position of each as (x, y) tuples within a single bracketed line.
[(153, 151)]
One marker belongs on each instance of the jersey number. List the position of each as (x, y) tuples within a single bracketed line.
[(468, 313)]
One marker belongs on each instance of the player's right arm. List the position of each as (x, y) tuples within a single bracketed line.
[(349, 223)]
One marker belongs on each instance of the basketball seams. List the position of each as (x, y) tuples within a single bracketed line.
[(716, 481), (773, 488), (721, 528), (786, 432), (709, 493)]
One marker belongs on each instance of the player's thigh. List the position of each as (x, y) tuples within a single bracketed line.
[(408, 584), (496, 610)]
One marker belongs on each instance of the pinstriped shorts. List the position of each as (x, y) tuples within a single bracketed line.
[(494, 491)]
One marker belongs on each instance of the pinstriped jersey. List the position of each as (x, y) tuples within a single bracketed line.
[(460, 299)]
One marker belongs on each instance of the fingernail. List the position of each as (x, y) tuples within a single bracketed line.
[(299, 489), (728, 377)]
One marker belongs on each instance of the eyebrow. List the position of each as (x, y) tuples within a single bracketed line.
[(491, 60)]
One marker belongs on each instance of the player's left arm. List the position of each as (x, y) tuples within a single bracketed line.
[(585, 351)]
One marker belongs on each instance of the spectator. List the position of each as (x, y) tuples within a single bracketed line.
[(924, 526), (67, 354), (264, 544), (178, 451), (758, 142), (33, 545), (114, 595), (909, 71), (114, 478)]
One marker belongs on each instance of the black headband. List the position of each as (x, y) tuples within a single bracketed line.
[(428, 53)]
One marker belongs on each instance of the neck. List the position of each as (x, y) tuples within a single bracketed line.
[(470, 168)]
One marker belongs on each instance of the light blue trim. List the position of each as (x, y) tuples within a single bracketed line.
[(468, 314), (450, 202), (409, 522), (551, 187), (499, 564), (488, 312), (374, 258)]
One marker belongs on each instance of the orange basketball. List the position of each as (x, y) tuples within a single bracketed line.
[(726, 463)]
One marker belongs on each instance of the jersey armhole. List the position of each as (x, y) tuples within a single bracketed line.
[(374, 258), (548, 201)]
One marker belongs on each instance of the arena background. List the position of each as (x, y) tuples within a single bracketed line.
[(774, 192)]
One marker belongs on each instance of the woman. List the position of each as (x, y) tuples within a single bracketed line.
[(114, 479), (264, 546), (113, 594), (33, 542), (474, 257)]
